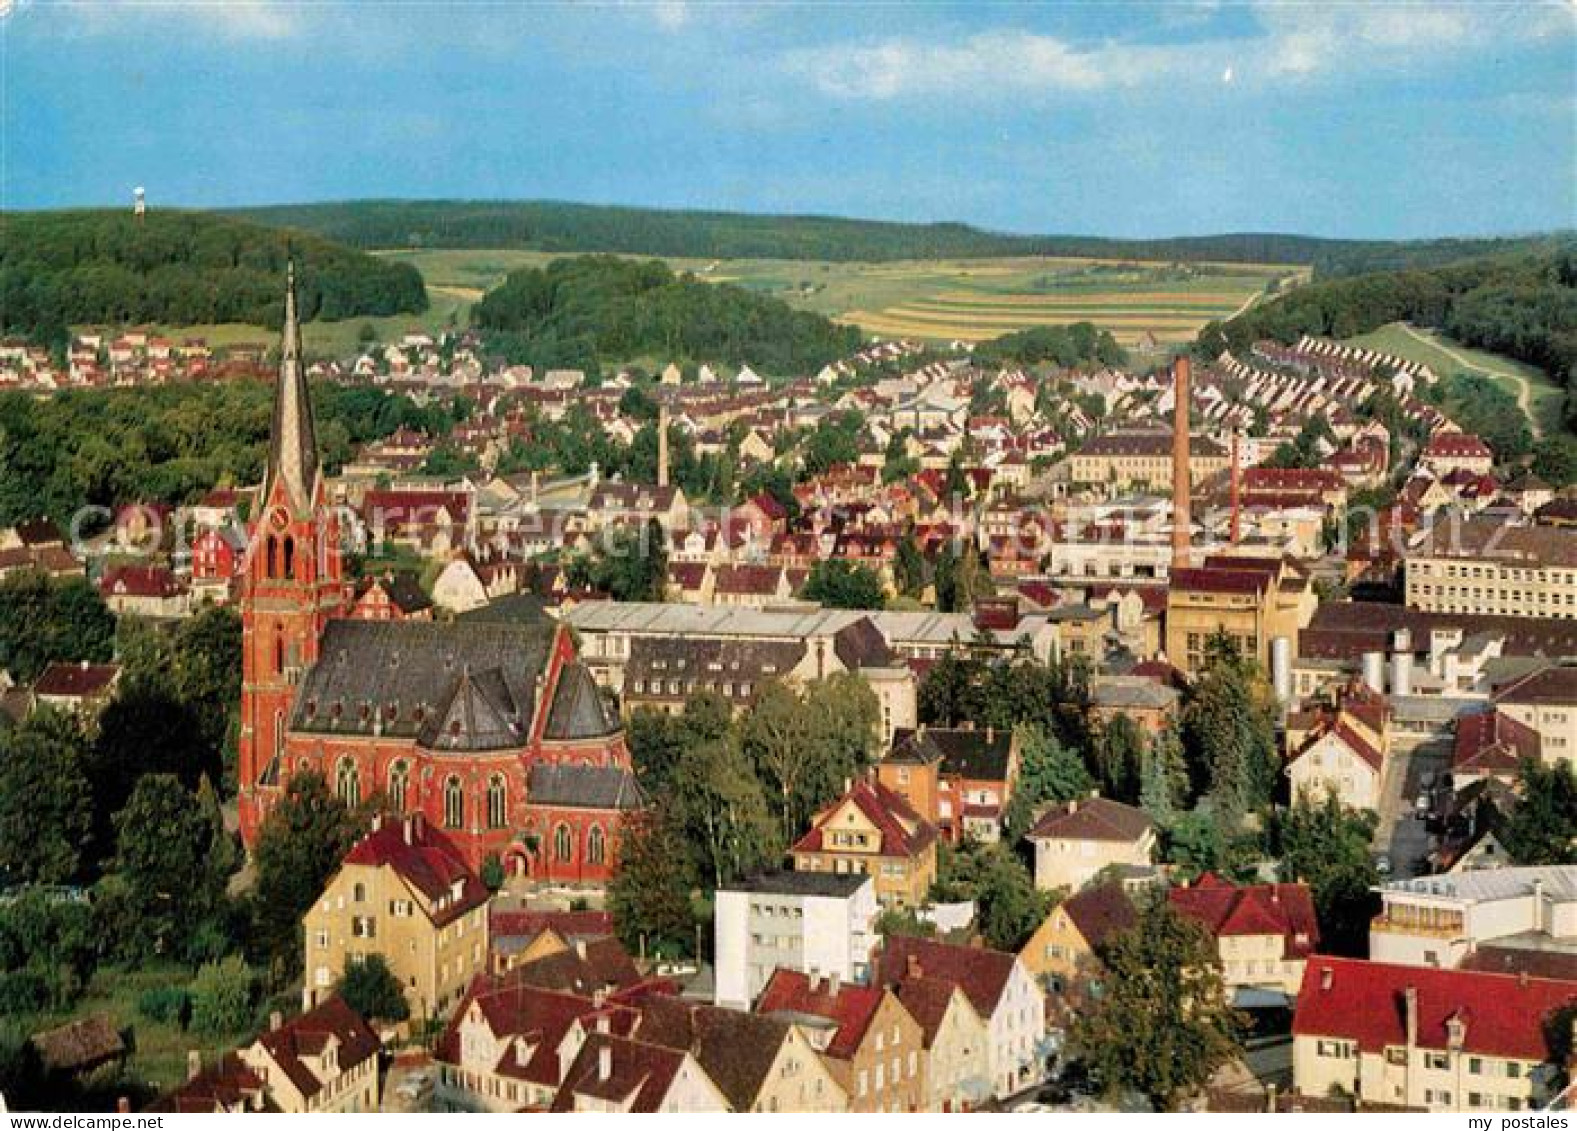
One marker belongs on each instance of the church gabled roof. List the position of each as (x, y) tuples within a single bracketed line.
[(293, 447), (481, 715), (578, 710)]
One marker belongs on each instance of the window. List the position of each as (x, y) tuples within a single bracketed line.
[(347, 781), (399, 782), (561, 843), (497, 802), (596, 845), (454, 804)]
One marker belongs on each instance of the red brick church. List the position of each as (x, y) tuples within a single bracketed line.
[(495, 732)]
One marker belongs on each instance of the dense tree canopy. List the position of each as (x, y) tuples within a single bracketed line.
[(1326, 845), (594, 310), (1079, 343), (43, 621), (59, 269), (1543, 827), (841, 584)]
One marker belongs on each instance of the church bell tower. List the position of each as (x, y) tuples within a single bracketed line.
[(292, 583)]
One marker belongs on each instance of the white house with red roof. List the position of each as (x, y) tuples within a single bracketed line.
[(1440, 1040), (1451, 451), (325, 1060), (1076, 839), (1264, 932)]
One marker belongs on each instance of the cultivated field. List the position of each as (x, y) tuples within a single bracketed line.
[(1539, 397), (943, 300)]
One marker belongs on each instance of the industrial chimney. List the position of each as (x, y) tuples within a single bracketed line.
[(1237, 474), (662, 446), (1180, 484)]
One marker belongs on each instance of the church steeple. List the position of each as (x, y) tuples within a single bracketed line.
[(293, 447)]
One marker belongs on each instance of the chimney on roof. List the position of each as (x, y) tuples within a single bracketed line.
[(580, 949), (1327, 977), (914, 967), (194, 1064), (1410, 1008), (599, 996), (414, 827), (276, 1021), (834, 983), (1180, 481), (602, 1022), (605, 1062)]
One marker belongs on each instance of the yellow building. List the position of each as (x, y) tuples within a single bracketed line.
[(957, 1043), (405, 893), (1133, 460), (873, 831), (1254, 601), (1065, 949), (1486, 567)]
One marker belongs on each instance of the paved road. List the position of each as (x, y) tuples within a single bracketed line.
[(1401, 835)]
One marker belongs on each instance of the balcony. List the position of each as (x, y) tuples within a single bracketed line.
[(1387, 925)]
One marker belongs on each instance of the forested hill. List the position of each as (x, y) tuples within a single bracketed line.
[(181, 268), (557, 226), (1521, 305), (590, 311)]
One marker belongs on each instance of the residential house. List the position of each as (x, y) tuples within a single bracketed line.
[(959, 779), (144, 590), (403, 891), (1074, 840), (611, 1073), (874, 1048), (872, 831), (1065, 949), (1002, 991), (957, 1045), (80, 689), (1264, 933), (1545, 701), (324, 1060), (1437, 1040)]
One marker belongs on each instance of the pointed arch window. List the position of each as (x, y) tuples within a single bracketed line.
[(399, 785), (454, 803), (279, 649), (347, 782), (270, 556), (497, 802), (561, 843), (289, 571), (279, 736), (596, 846)]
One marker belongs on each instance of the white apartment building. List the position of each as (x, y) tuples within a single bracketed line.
[(816, 923)]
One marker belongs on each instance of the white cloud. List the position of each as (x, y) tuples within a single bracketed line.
[(226, 19), (671, 15), (1298, 41)]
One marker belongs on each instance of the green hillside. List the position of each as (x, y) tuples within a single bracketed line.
[(559, 226), (59, 269)]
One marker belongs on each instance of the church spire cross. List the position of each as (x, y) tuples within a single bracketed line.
[(293, 449)]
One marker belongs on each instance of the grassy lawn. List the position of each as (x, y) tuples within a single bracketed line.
[(940, 300), (159, 1050), (1544, 396)]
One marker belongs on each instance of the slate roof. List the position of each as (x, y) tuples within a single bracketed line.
[(414, 679), (579, 709), (1502, 1016), (862, 645), (584, 787), (1093, 818), (713, 661), (977, 755)]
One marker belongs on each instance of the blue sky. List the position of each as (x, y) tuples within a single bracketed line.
[(1357, 119)]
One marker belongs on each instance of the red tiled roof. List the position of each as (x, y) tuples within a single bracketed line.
[(851, 1009), (76, 680), (981, 973), (140, 581), (1100, 912), (1491, 742), (1220, 580), (1457, 445), (636, 1069), (425, 859), (307, 1034), (904, 832), (1501, 1015), (568, 924), (1259, 909)]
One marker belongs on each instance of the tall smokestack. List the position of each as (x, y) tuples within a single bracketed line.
[(662, 446), (1180, 484), (1237, 474)]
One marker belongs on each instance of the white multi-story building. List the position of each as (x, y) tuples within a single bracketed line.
[(817, 923), (1441, 920)]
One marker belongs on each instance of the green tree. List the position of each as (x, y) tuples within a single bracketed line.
[(46, 801), (1163, 788), (1229, 730), (1200, 841), (1008, 906), (1120, 749), (42, 620), (1163, 1025), (806, 744), (724, 810), (841, 584), (371, 989), (649, 894), (1326, 845), (299, 848), (1048, 771), (223, 994), (1542, 829), (175, 857), (909, 568)]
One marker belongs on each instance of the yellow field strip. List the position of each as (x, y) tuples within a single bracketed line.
[(1226, 299)]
